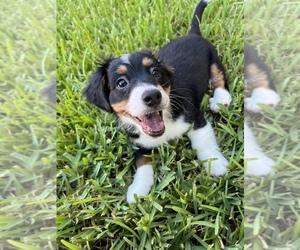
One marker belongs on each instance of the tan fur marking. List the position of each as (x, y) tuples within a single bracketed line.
[(167, 90), (258, 78), (120, 107), (143, 160), (217, 77), (122, 69), (147, 61), (169, 68)]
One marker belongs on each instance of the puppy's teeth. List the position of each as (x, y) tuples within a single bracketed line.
[(137, 118)]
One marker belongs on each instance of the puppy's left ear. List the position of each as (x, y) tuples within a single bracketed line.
[(97, 92)]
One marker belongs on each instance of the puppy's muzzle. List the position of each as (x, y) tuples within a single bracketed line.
[(146, 106), (152, 123)]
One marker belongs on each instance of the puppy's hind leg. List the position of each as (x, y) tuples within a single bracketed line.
[(221, 94), (204, 141), (143, 178)]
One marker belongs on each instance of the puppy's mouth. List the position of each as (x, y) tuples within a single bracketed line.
[(152, 124)]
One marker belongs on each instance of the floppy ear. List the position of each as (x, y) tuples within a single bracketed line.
[(97, 92)]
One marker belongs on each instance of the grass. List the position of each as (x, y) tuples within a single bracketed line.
[(27, 143), (186, 209), (272, 204)]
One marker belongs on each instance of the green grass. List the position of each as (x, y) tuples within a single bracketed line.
[(27, 142), (186, 209), (272, 204)]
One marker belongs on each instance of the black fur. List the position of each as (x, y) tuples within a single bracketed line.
[(193, 55), (197, 18), (97, 92)]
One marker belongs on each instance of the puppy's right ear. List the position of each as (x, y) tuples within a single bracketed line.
[(97, 92)]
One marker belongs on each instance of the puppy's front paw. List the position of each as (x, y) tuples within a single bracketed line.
[(142, 183), (258, 164), (218, 165), (261, 96), (221, 96)]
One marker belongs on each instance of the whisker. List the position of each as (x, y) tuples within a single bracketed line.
[(184, 89), (177, 97), (178, 104), (167, 82)]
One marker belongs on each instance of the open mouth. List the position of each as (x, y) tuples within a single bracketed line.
[(152, 124)]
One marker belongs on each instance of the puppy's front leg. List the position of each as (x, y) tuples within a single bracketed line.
[(218, 80), (221, 96), (257, 163), (204, 141), (261, 96), (143, 178)]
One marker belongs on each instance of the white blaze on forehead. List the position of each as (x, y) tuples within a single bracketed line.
[(125, 58)]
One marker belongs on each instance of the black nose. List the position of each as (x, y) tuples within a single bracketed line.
[(152, 98)]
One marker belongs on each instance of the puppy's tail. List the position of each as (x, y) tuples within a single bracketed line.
[(197, 17)]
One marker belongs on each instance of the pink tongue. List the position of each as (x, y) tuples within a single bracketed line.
[(152, 124)]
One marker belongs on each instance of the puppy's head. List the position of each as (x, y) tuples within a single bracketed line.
[(136, 88)]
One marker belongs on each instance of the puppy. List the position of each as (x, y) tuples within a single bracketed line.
[(262, 91), (156, 99)]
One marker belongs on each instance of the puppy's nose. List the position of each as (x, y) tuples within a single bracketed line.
[(152, 98)]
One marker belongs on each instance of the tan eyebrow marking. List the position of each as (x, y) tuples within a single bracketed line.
[(147, 61), (122, 69)]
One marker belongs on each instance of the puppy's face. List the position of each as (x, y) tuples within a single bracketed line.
[(136, 88)]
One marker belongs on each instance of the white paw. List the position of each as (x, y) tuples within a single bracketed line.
[(221, 96), (217, 165), (261, 96), (142, 183), (204, 141), (258, 164)]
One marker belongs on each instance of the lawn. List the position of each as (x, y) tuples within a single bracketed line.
[(28, 126), (187, 208), (272, 205)]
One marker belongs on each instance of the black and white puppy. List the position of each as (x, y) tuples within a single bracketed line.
[(261, 90), (156, 99)]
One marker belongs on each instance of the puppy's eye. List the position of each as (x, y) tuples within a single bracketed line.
[(122, 83), (155, 73)]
